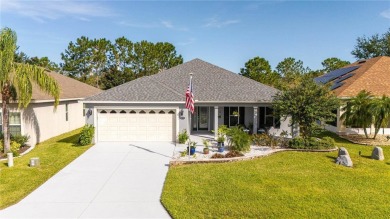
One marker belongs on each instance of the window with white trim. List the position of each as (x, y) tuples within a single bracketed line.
[(15, 125)]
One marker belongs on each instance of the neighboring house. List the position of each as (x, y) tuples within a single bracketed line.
[(152, 108), (41, 121), (372, 75)]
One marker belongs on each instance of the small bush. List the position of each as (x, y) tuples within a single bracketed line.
[(327, 142), (233, 154), (86, 135), (21, 139), (183, 137), (312, 143), (239, 140), (297, 143), (15, 146), (216, 155)]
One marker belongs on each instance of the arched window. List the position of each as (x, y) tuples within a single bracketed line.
[(171, 112), (122, 111), (152, 112), (161, 112), (132, 112), (142, 112), (103, 111), (112, 111)]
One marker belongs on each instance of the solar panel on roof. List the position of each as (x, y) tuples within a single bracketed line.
[(344, 78), (336, 85), (335, 74)]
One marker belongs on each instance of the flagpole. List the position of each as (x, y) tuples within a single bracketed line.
[(189, 120)]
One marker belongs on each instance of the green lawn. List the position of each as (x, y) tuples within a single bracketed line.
[(20, 180), (283, 185)]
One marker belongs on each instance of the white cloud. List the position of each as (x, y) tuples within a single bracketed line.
[(188, 42), (52, 10), (386, 14), (216, 23), (169, 25)]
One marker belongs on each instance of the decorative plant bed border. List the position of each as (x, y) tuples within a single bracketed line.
[(233, 159)]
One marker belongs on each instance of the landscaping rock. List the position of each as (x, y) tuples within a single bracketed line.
[(343, 151), (344, 160), (377, 154)]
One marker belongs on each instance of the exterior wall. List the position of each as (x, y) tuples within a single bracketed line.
[(284, 126), (248, 116), (183, 119), (40, 121)]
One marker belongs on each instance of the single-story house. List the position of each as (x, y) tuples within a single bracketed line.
[(152, 108), (41, 121), (372, 75)]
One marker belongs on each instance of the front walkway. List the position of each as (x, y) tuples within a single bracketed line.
[(110, 180)]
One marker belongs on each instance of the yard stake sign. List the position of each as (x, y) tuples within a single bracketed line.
[(190, 107)]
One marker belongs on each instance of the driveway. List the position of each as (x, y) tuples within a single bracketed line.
[(110, 180)]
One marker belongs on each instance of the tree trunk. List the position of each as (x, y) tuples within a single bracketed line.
[(5, 95), (365, 131)]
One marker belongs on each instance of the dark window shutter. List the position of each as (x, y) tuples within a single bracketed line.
[(242, 115), (226, 116)]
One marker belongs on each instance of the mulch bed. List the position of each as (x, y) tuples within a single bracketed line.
[(380, 140), (21, 150)]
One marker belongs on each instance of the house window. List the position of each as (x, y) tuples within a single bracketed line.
[(234, 116), (267, 118), (14, 123), (66, 112)]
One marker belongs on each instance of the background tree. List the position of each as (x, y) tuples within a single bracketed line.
[(306, 103), (259, 70), (374, 46), (77, 59), (90, 60), (357, 111), (16, 80), (333, 63), (291, 72)]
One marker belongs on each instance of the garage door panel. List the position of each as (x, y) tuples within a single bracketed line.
[(136, 127)]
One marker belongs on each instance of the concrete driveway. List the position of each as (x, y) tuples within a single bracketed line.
[(110, 180)]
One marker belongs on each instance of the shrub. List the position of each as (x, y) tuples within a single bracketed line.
[(21, 139), (216, 155), (239, 140), (266, 139), (233, 154), (15, 146), (86, 135), (327, 142), (183, 137), (297, 143), (312, 143)]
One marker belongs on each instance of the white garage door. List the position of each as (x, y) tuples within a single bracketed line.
[(136, 125)]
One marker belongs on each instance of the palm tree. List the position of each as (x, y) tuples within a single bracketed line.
[(381, 111), (358, 111), (17, 79)]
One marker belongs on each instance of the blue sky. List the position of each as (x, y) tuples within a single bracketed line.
[(225, 33)]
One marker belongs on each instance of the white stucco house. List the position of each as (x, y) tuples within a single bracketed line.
[(152, 108), (41, 121)]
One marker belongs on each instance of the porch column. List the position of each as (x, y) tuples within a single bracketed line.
[(340, 123), (215, 122), (255, 120)]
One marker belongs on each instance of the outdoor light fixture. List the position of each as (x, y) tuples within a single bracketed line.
[(181, 112)]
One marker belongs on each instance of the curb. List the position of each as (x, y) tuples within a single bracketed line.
[(235, 159)]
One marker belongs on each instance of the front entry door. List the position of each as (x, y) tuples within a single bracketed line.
[(203, 118)]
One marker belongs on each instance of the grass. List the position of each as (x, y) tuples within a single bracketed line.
[(54, 154), (283, 185)]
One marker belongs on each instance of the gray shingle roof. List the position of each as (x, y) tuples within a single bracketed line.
[(210, 83)]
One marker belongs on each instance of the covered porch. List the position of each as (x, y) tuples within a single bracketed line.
[(254, 118)]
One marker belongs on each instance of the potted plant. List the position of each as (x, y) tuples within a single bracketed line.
[(183, 137), (191, 147), (206, 144), (222, 130)]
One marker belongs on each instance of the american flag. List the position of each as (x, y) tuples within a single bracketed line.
[(190, 98)]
